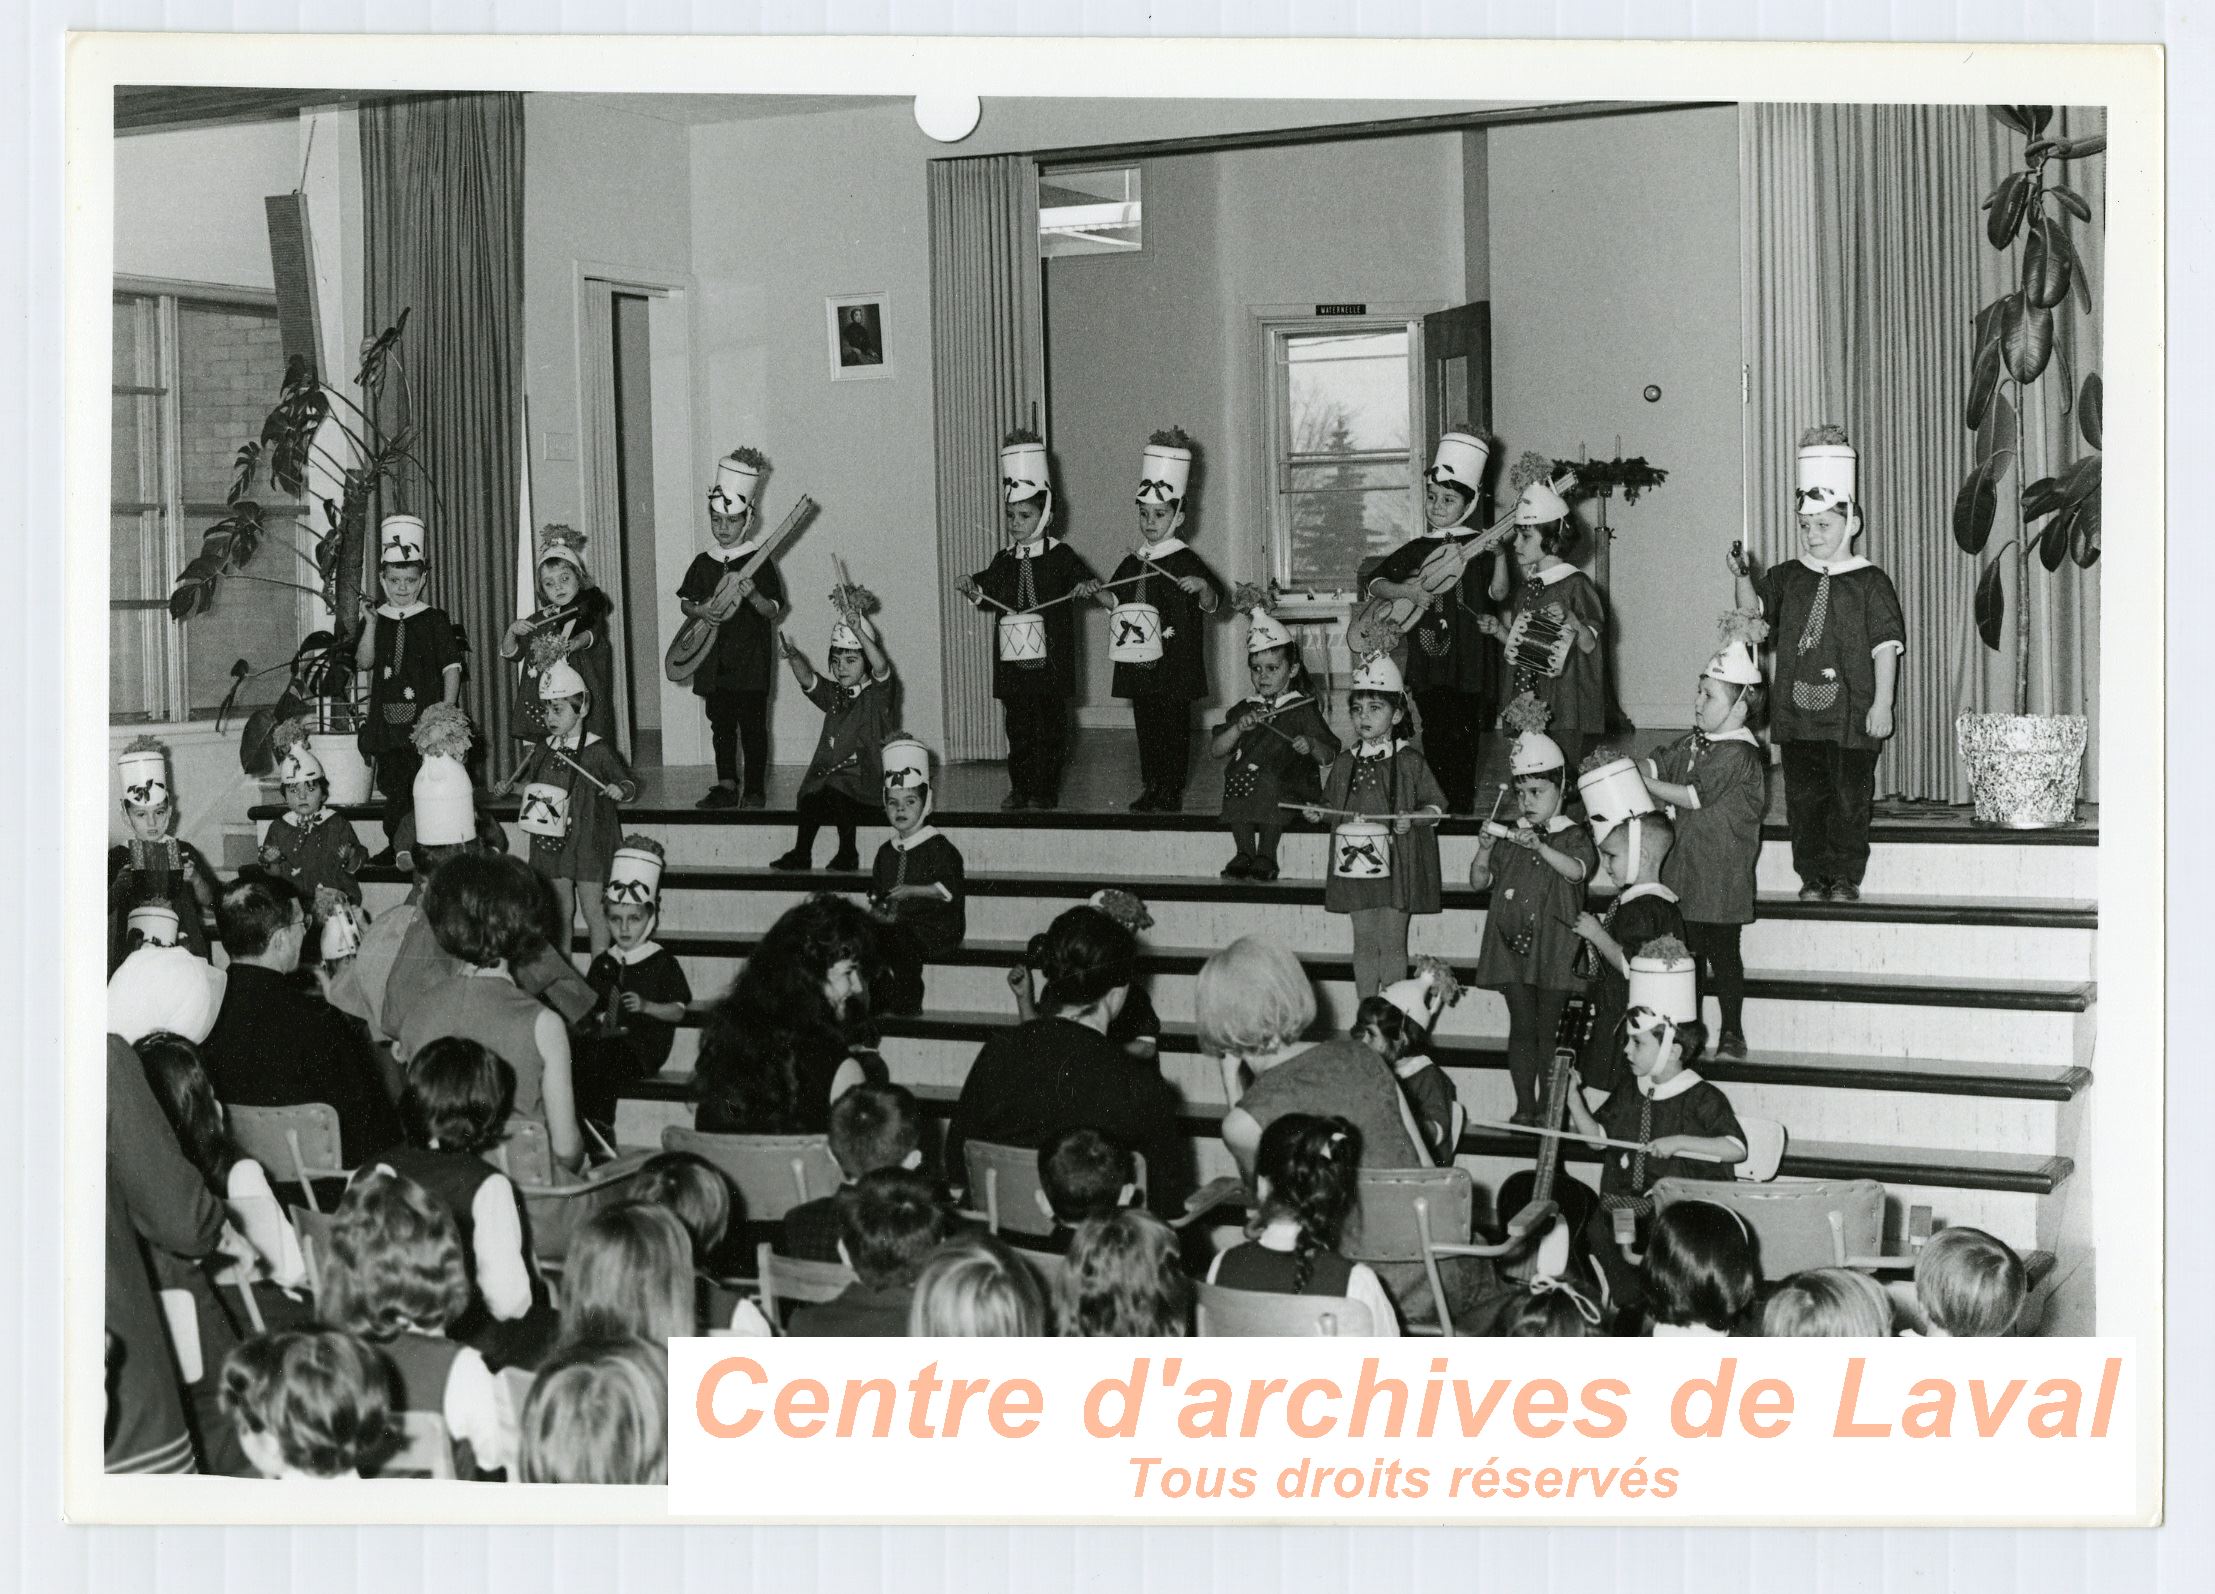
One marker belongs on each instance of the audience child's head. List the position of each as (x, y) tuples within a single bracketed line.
[(598, 1412), (1969, 1285), (1633, 852), (262, 921), (1658, 1047), (1086, 962), (180, 1083), (1082, 1174), (1307, 1171), (1554, 1309), (876, 1126), (308, 1403), (976, 1288), (396, 1263), (1124, 1280), (1700, 1267), (1828, 1303), (628, 1272), (694, 1191), (889, 1221), (1253, 998), (486, 909), (456, 1096)]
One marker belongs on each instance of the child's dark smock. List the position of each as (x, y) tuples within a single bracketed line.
[(1578, 695), (1021, 583), (1641, 914), (1264, 770), (744, 656), (323, 851), (595, 823), (1718, 846), (1180, 674), (1395, 783), (1530, 925), (653, 972), (1826, 674), (406, 675), (926, 858), (1686, 1105), (856, 721)]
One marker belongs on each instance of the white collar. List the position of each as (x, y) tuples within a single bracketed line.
[(1042, 543), (576, 744), (1646, 888), (1290, 694), (1560, 822), (909, 843), (1411, 1065), (1152, 551), (1678, 1084), (490, 974), (1553, 573), (1836, 567), (1383, 749), (1737, 734), (313, 823), (735, 552), (1281, 1234), (394, 612), (637, 954)]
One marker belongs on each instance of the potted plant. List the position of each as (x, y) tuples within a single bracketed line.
[(2024, 769), (311, 426)]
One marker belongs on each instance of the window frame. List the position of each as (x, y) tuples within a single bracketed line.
[(1135, 171), (171, 512), (1274, 329)]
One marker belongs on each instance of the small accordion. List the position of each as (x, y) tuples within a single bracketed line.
[(1533, 646)]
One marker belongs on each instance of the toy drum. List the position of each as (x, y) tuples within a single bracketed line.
[(545, 811), (1023, 638), (1134, 634), (1614, 792), (1361, 849)]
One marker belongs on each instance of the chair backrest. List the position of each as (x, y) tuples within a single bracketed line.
[(639, 1121), (772, 1173), (299, 1144), (1006, 1186), (558, 1211), (314, 1229), (1395, 1204), (1797, 1223), (525, 1153), (1051, 1269), (788, 1281), (425, 1450), (1256, 1314), (1764, 1149)]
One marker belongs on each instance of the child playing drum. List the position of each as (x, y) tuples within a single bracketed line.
[(1277, 741), (571, 783)]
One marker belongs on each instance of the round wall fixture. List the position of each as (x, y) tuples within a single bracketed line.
[(949, 118), (1653, 394)]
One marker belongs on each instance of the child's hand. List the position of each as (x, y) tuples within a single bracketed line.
[(762, 606), (520, 629), (1313, 816), (1524, 838), (1401, 826), (1739, 564), (1668, 1146), (1304, 747), (270, 857), (791, 648), (1019, 978), (1879, 721), (1088, 589), (1192, 585), (631, 1002), (969, 589), (1491, 627), (1589, 928)]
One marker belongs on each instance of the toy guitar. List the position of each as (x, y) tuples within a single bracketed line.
[(1440, 574), (689, 649), (1546, 1210)]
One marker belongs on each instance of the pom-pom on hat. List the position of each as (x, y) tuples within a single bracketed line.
[(144, 766), (634, 874), (1379, 674), (1124, 907), (402, 540), (155, 922), (1827, 468), (445, 804), (1535, 753), (296, 760), (563, 543), (560, 680), (1426, 993), (738, 477), (1165, 467), (164, 987), (1459, 459)]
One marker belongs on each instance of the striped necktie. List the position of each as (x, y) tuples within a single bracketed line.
[(1816, 615)]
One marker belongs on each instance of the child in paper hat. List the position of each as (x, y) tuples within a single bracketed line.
[(733, 680), (308, 844), (571, 784), (917, 886), (844, 785), (1636, 852), (571, 622), (413, 654), (641, 986), (153, 866), (1550, 586), (1397, 1024), (1836, 623), (1275, 744)]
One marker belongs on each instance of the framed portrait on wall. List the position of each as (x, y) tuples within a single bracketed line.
[(855, 324)]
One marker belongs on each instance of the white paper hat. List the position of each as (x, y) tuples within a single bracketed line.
[(1535, 753), (1164, 470), (299, 765), (1735, 664), (843, 635), (1417, 997), (156, 923), (1540, 505), (341, 934), (1265, 631), (402, 541), (1826, 476), (1379, 674), (164, 987), (445, 806), (564, 543), (145, 772), (1670, 989), (1460, 459), (1024, 472), (559, 680), (907, 764), (737, 483), (634, 875)]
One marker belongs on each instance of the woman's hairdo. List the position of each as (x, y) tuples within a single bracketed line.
[(1083, 955)]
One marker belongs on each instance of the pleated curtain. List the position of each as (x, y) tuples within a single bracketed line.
[(987, 376), (442, 230), (1864, 261)]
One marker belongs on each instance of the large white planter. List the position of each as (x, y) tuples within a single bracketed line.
[(2024, 769)]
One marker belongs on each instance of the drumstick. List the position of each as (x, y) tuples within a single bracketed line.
[(1105, 586), (1570, 1134), (605, 789), (1348, 813), (986, 597)]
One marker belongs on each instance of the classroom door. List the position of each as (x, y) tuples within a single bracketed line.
[(1457, 375)]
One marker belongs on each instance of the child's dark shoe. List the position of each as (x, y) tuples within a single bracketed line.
[(754, 799), (1144, 802), (1730, 1044), (793, 862), (1844, 891), (719, 797), (845, 862), (1013, 802), (1814, 891), (1262, 869), (1240, 867)]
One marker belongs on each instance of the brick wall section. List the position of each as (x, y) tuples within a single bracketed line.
[(231, 367)]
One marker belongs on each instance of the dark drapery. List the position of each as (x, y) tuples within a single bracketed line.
[(442, 192)]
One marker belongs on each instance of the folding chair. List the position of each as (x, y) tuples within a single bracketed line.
[(639, 1121), (314, 1229), (425, 1450), (1418, 1215), (1797, 1223), (772, 1173), (788, 1281), (525, 1153), (1765, 1140), (303, 1138), (1014, 1193), (557, 1211), (1256, 1314)]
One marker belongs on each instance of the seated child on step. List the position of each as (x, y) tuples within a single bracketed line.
[(858, 700), (917, 891), (309, 1403), (1633, 854), (1396, 1025), (642, 990), (1306, 1175), (1276, 743), (872, 1127), (307, 844), (1969, 1285)]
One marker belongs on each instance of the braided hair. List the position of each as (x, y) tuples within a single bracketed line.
[(1313, 1166)]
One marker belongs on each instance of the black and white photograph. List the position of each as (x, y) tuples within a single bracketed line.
[(1469, 719)]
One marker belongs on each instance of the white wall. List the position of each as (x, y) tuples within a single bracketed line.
[(188, 203), (1614, 247)]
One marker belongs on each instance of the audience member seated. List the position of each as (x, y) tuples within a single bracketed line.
[(1828, 1303), (276, 1045), (1124, 1281), (698, 1196), (872, 1127), (795, 1032), (1552, 1309), (628, 1275), (1307, 1173), (1082, 1175), (310, 1403), (1060, 1071), (599, 1413), (889, 1223), (976, 1288), (1969, 1286), (1701, 1275)]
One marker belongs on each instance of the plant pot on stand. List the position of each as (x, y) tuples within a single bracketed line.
[(2024, 770)]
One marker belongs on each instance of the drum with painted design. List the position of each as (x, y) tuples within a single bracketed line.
[(1614, 792), (1023, 638), (544, 811), (1134, 634), (1361, 849)]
